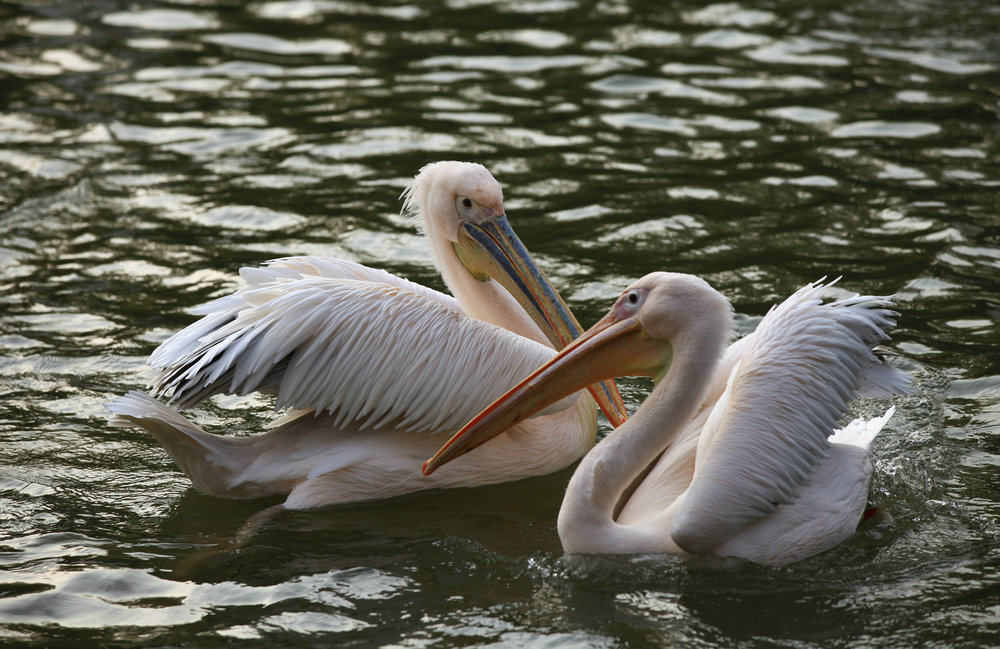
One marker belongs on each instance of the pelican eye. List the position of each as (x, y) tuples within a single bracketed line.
[(629, 302), (466, 207), (469, 209)]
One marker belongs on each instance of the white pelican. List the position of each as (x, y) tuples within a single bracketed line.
[(729, 454), (373, 365)]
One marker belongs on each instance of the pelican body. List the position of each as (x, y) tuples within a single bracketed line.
[(372, 366), (734, 451)]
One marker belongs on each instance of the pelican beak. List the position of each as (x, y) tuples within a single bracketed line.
[(491, 249), (616, 346)]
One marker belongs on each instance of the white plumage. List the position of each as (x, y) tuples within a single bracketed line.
[(372, 365), (734, 452), (368, 352)]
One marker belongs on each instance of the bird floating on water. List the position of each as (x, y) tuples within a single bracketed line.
[(371, 365), (734, 451)]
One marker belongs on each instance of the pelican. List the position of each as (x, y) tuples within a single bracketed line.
[(731, 454), (371, 366)]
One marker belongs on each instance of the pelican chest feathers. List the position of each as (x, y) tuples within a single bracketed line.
[(734, 452), (372, 365)]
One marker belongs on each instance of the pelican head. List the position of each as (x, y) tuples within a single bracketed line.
[(667, 306), (450, 194), (459, 205)]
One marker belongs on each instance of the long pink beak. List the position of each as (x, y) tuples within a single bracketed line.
[(615, 346)]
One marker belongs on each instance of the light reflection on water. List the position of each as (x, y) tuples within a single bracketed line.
[(148, 151)]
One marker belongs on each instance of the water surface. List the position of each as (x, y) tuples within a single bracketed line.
[(148, 150)]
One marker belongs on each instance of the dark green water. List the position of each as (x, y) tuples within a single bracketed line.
[(147, 151)]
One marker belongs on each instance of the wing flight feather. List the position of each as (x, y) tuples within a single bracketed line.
[(222, 310), (359, 343), (797, 374)]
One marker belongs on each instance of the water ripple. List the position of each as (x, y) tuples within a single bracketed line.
[(885, 129), (102, 597), (514, 64), (636, 84), (147, 151), (309, 9), (162, 20), (797, 51), (275, 45)]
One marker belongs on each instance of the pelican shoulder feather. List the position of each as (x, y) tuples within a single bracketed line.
[(797, 374), (359, 343)]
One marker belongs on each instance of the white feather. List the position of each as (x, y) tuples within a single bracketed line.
[(862, 432), (796, 376), (368, 364), (365, 351), (224, 309)]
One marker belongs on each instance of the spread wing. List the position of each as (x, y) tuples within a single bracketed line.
[(335, 336), (794, 379), (221, 311)]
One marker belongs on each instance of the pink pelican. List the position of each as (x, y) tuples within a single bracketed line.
[(731, 453), (372, 366)]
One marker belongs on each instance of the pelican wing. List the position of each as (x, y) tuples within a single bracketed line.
[(796, 375), (361, 344), (225, 309)]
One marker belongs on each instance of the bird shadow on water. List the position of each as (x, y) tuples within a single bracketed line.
[(461, 540), (238, 537), (653, 598)]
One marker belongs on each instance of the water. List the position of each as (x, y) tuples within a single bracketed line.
[(149, 150)]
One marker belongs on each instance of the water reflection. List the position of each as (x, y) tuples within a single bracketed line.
[(147, 151)]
